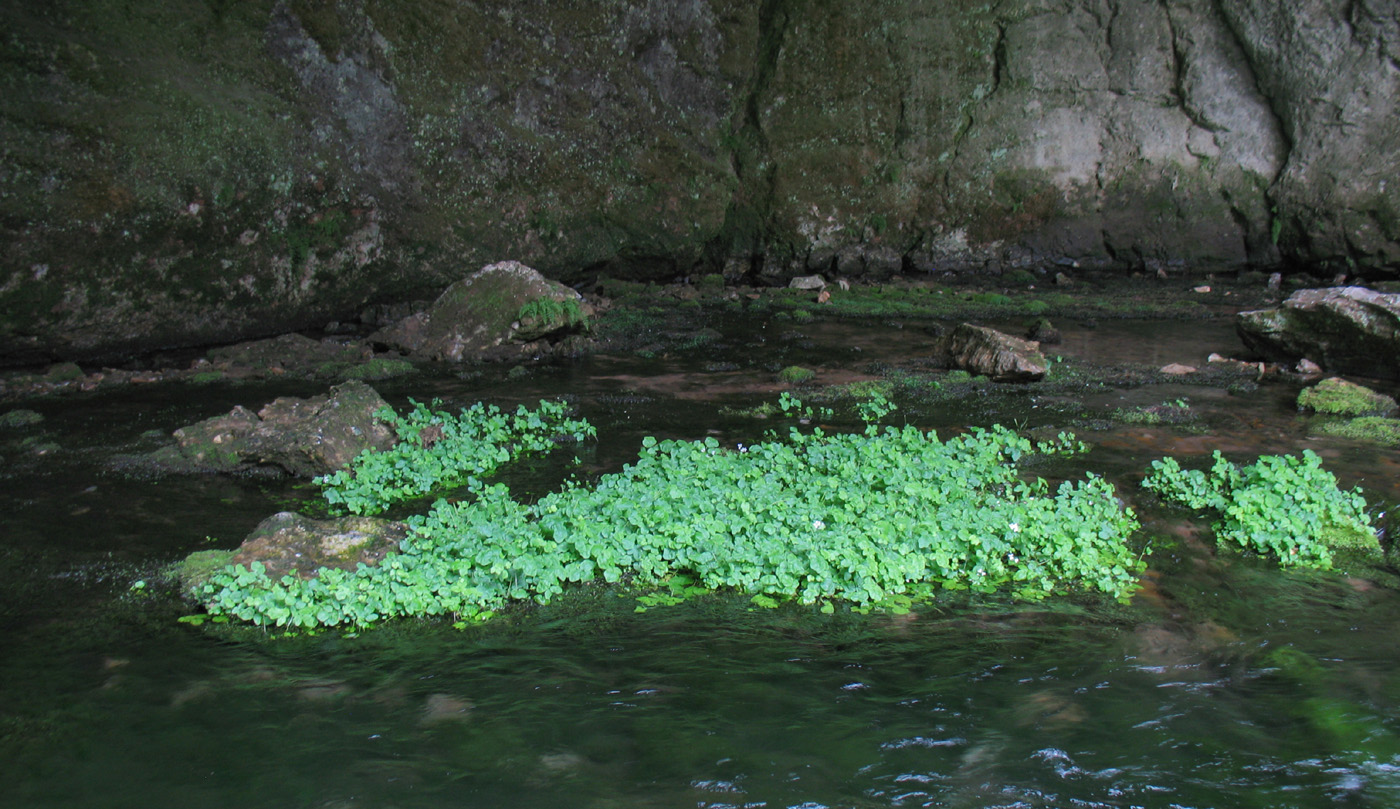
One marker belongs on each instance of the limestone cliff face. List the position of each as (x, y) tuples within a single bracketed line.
[(183, 171)]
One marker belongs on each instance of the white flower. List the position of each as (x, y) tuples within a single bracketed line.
[(1015, 528), (818, 524)]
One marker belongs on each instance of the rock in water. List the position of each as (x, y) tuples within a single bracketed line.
[(1345, 330), (288, 542), (1339, 397), (306, 437), (500, 304), (1001, 357)]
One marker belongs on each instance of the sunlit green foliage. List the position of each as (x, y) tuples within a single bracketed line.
[(863, 518), (1285, 506), (437, 450)]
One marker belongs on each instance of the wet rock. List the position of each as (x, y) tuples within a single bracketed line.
[(306, 437), (1044, 332), (983, 351), (289, 543), (1344, 330), (501, 304), (220, 443), (286, 352), (1177, 369), (1338, 397), (807, 282)]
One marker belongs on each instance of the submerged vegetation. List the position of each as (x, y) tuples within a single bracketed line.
[(1284, 506), (866, 518)]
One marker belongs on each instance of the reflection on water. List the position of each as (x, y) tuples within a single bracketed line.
[(1225, 683)]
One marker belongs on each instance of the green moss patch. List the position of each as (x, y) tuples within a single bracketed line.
[(797, 375), (1338, 397), (1372, 429)]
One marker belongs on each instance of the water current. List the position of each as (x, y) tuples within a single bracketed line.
[(1225, 683)]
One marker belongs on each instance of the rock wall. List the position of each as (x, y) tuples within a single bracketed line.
[(184, 171)]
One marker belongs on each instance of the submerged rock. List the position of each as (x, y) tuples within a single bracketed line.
[(289, 543), (1001, 357), (306, 437), (1344, 330), (286, 351), (500, 304)]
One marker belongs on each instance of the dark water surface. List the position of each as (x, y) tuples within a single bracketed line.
[(1225, 683)]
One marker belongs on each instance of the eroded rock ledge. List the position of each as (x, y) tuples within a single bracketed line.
[(315, 158)]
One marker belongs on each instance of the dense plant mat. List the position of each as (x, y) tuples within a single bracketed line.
[(858, 518), (437, 450), (1284, 506)]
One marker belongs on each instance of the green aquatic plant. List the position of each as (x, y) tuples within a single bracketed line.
[(861, 518), (437, 450), (1284, 506)]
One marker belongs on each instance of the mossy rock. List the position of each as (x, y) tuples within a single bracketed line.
[(501, 303), (1372, 429), (376, 369), (196, 569), (20, 418), (1338, 397), (288, 543), (64, 372), (797, 375)]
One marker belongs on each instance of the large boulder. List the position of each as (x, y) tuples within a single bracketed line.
[(1001, 357), (502, 303), (1343, 329), (289, 543), (306, 437)]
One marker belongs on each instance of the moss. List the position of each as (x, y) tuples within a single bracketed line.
[(64, 372), (1338, 397), (380, 368), (711, 284), (195, 569), (207, 377), (1372, 429), (796, 375), (760, 411), (20, 418), (1166, 413), (864, 389), (1353, 542)]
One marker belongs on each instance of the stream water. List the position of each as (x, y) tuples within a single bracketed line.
[(1225, 683)]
